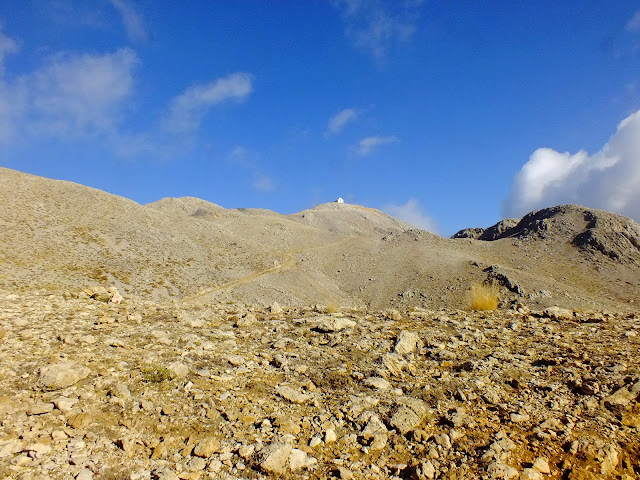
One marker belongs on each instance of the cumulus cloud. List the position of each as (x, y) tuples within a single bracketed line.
[(131, 19), (374, 25), (187, 109), (413, 213), (608, 179), (340, 119), (71, 94), (369, 144)]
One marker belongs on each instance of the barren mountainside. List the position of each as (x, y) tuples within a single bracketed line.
[(184, 341), (60, 235)]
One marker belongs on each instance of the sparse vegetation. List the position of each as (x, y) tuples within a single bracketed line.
[(156, 373), (332, 307), (485, 296)]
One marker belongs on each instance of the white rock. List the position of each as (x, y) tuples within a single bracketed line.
[(443, 440), (274, 458), (275, 308), (330, 436), (85, 474), (610, 462), (332, 324), (531, 474), (62, 374), (299, 459), (407, 342), (38, 450), (542, 465), (207, 447), (373, 427), (428, 470), (65, 404), (179, 369), (292, 395), (501, 471), (558, 313), (519, 417), (377, 382), (409, 414), (315, 441)]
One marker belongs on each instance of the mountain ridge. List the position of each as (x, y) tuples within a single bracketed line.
[(64, 236)]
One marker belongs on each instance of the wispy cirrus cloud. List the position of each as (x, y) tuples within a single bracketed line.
[(132, 20), (7, 46), (369, 144), (608, 179), (633, 25), (338, 121), (187, 110), (247, 160), (413, 213), (375, 25)]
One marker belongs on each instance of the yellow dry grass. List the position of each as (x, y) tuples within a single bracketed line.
[(485, 296)]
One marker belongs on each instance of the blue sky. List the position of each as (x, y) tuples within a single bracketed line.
[(446, 114)]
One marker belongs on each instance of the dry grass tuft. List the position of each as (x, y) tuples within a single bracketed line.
[(485, 296), (333, 307)]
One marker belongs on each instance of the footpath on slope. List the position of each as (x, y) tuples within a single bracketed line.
[(287, 262)]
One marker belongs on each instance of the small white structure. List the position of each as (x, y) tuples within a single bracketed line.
[(340, 200)]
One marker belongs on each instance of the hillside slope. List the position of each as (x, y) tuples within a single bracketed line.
[(63, 236)]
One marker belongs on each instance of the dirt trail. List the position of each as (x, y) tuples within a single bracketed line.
[(288, 262)]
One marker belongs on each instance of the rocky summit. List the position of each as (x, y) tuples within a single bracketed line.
[(181, 340)]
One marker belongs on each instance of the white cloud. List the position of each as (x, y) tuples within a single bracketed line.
[(633, 25), (131, 19), (412, 212), (608, 179), (248, 161), (72, 94), (187, 109), (7, 45), (340, 119), (264, 183), (368, 144), (374, 25)]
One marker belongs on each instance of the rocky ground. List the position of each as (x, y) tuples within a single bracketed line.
[(143, 390)]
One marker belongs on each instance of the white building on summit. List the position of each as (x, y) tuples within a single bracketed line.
[(340, 200)]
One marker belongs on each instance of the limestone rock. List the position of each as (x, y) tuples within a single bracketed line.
[(179, 369), (275, 308), (409, 414), (292, 395), (274, 458), (207, 447), (377, 382), (333, 324), (299, 459), (62, 374), (407, 342), (558, 313)]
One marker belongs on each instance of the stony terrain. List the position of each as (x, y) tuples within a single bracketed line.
[(144, 390), (183, 340)]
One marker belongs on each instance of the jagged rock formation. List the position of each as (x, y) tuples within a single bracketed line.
[(593, 231)]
